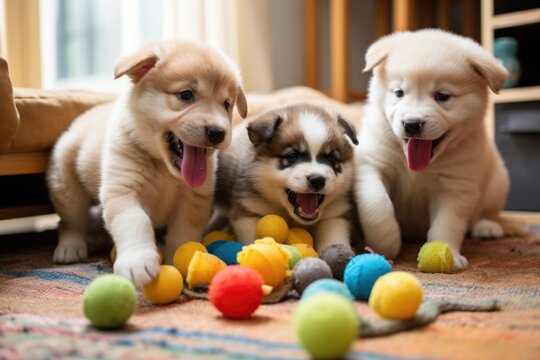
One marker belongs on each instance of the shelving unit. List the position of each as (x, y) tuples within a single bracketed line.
[(522, 21)]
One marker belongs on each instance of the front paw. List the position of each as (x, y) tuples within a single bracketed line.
[(140, 266), (70, 251), (387, 248), (487, 229), (460, 261)]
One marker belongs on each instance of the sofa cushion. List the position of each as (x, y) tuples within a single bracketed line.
[(10, 118)]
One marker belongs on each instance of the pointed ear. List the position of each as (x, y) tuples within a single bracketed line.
[(262, 129), (377, 52), (241, 103), (136, 65), (348, 129), (488, 68)]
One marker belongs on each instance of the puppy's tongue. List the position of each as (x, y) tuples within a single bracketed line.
[(308, 203), (418, 153), (194, 166)]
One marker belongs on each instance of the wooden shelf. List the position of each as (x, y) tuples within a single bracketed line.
[(517, 18), (24, 163), (531, 93), (23, 211), (531, 218)]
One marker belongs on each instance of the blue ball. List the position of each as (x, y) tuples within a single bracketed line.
[(362, 272), (327, 285), (226, 251)]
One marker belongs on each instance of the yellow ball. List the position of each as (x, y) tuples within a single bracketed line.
[(215, 236), (183, 256), (299, 236), (273, 226), (396, 296), (436, 257), (113, 255), (202, 269), (306, 250), (166, 287)]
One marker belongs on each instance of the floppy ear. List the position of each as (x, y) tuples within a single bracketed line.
[(377, 52), (241, 103), (262, 129), (489, 69), (348, 129), (136, 65)]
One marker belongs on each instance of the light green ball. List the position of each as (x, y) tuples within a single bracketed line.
[(326, 325), (295, 255), (435, 257), (109, 301)]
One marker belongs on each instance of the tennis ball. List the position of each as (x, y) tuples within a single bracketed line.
[(435, 257), (113, 255), (362, 272), (326, 325), (273, 226), (299, 236), (396, 296), (166, 287), (305, 250), (327, 285), (109, 301), (183, 255), (216, 235)]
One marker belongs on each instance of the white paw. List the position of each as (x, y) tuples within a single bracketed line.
[(487, 229), (388, 249), (70, 249), (139, 266), (460, 262)]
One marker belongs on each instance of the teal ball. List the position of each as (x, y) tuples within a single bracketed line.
[(109, 301), (214, 245), (226, 250), (362, 272), (327, 285)]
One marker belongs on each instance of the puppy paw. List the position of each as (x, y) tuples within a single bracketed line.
[(140, 266), (460, 261), (388, 249), (70, 250), (487, 229)]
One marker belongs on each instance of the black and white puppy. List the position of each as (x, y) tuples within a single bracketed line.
[(295, 161)]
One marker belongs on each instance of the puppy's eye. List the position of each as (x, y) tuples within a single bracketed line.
[(441, 97), (227, 106), (291, 157), (399, 93), (185, 95)]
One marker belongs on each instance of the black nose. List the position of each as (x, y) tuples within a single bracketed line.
[(215, 135), (412, 127), (316, 182)]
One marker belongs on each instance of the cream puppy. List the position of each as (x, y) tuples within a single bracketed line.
[(425, 165), (295, 161), (148, 159)]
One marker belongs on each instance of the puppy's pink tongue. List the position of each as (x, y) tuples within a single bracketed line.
[(309, 203), (194, 166), (418, 154)]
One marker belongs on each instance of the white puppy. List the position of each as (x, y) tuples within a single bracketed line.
[(295, 161), (425, 164), (148, 159)]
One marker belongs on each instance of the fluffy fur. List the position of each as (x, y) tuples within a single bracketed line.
[(294, 161), (149, 159), (425, 164)]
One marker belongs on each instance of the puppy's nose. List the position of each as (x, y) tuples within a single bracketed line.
[(412, 127), (215, 135), (316, 182)]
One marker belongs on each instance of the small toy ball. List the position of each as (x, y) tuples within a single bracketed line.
[(216, 235), (202, 269), (396, 296), (268, 258), (273, 226), (183, 255), (299, 236), (337, 256), (436, 257), (113, 255), (226, 250), (327, 285), (306, 250), (166, 287), (362, 272), (326, 325), (236, 291), (309, 270), (295, 255), (109, 301)]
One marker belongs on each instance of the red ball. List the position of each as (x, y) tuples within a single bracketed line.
[(236, 291)]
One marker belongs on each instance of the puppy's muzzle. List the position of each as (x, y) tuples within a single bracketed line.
[(412, 127), (215, 135), (316, 182)]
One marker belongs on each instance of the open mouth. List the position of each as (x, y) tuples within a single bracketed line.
[(306, 205), (420, 151), (189, 160)]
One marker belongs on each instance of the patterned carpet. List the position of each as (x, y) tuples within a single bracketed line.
[(41, 318)]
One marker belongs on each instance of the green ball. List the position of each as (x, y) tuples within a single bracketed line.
[(435, 257), (295, 255), (109, 301), (326, 325)]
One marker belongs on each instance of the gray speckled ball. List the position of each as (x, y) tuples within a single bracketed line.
[(309, 270), (337, 256)]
